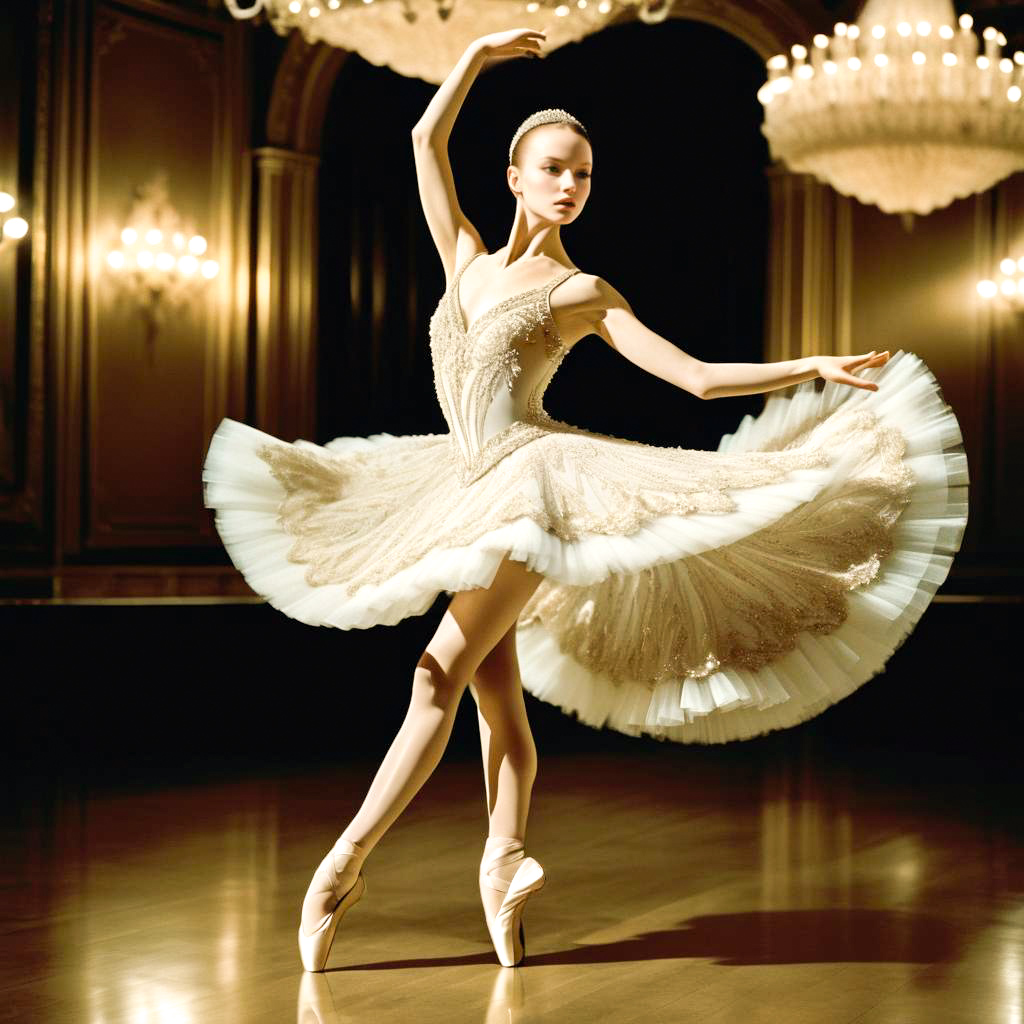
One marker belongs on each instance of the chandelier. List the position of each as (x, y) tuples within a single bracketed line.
[(899, 110), (425, 38)]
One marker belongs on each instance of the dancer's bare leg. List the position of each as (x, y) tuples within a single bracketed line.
[(507, 748), (473, 624)]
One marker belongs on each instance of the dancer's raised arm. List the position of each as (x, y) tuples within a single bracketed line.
[(448, 224), (621, 329)]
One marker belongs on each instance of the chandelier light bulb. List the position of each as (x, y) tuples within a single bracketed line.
[(115, 259), (144, 259), (154, 236), (604, 6), (188, 265), (830, 67), (16, 227), (821, 41), (782, 83), (982, 62), (853, 63), (1008, 286), (923, 28), (986, 289), (918, 57), (197, 245), (333, 4), (1020, 264), (129, 236), (989, 33), (6, 202), (839, 28), (314, 12), (178, 241), (881, 60), (164, 261), (804, 71), (949, 59), (778, 62), (852, 31), (210, 268), (532, 6), (1008, 266), (581, 4), (903, 28), (966, 22), (1005, 65), (1013, 93), (878, 31), (798, 51), (946, 31), (295, 6)]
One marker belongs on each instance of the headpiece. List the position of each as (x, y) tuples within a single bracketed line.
[(553, 115)]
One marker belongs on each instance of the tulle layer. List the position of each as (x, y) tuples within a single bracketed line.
[(733, 702)]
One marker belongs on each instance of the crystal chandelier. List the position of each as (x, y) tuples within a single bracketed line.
[(425, 38), (899, 110)]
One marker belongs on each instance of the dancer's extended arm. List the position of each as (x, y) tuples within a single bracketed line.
[(621, 329), (431, 132)]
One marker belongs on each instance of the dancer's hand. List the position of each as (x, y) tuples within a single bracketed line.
[(842, 369), (514, 42)]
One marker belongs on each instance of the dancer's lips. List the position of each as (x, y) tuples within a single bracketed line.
[(565, 202)]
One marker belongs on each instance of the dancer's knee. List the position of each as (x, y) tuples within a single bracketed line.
[(437, 685)]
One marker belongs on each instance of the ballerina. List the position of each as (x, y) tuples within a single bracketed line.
[(694, 596)]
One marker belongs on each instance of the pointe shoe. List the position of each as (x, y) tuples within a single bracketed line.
[(506, 928), (316, 947)]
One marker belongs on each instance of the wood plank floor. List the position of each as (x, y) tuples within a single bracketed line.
[(776, 881)]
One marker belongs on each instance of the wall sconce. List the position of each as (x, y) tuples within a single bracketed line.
[(161, 263), (11, 228), (1010, 290)]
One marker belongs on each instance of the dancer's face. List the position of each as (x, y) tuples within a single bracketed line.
[(554, 163)]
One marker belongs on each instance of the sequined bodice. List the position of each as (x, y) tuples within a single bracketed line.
[(491, 376)]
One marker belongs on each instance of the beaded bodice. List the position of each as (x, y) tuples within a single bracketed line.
[(491, 375)]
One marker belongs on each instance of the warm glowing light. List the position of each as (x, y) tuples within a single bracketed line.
[(164, 261), (982, 62), (129, 236), (778, 62), (949, 59), (1005, 65), (821, 41), (144, 259), (853, 32), (6, 202), (881, 59), (178, 241), (188, 265), (1008, 266), (295, 6), (561, 10), (1020, 264), (965, 21), (210, 268), (581, 4), (918, 57), (903, 28), (986, 289), (16, 227), (804, 71), (878, 31), (1018, 56), (923, 28), (532, 6), (115, 259), (782, 83), (154, 236), (853, 63), (314, 12), (1013, 93), (830, 67), (1008, 287), (946, 31), (604, 6), (334, 4), (989, 33), (197, 245), (798, 51), (839, 28)]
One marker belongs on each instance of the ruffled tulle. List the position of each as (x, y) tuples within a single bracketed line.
[(733, 702)]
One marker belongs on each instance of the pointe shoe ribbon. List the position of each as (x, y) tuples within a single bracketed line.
[(506, 928), (316, 947)]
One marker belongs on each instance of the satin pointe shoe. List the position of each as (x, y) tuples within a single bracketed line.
[(506, 927), (316, 947)]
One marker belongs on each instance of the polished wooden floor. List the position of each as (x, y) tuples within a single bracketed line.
[(781, 881)]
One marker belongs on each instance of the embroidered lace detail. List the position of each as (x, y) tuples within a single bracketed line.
[(742, 605)]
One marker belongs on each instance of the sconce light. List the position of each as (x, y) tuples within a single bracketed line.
[(161, 263), (1010, 289), (11, 228)]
